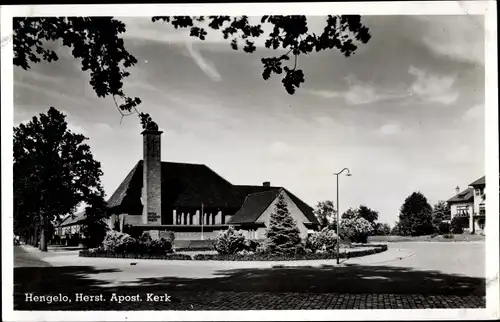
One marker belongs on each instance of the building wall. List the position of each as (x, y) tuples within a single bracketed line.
[(196, 235), (295, 212), (470, 206), (478, 193)]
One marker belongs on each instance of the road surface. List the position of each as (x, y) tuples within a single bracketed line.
[(408, 275)]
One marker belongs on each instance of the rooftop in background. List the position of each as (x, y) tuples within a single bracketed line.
[(72, 219), (479, 182), (463, 196)]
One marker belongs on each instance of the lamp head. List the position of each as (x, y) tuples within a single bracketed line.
[(348, 174)]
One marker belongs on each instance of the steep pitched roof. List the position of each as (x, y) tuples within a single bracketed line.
[(305, 208), (464, 196), (479, 182), (244, 190), (73, 219), (253, 206), (186, 185), (183, 185)]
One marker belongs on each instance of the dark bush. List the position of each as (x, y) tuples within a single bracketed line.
[(145, 238), (444, 228), (251, 245), (133, 231), (458, 224), (170, 236), (95, 233), (158, 246), (300, 250), (448, 236)]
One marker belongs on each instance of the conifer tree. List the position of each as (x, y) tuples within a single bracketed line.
[(282, 234)]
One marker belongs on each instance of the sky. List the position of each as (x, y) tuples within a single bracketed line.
[(404, 114)]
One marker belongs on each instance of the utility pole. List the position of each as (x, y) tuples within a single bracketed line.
[(338, 212)]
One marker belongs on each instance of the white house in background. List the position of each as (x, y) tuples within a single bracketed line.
[(470, 204)]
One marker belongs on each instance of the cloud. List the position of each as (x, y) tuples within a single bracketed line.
[(358, 93), (435, 88), (206, 66), (43, 90), (475, 113), (458, 37), (390, 129), (326, 93)]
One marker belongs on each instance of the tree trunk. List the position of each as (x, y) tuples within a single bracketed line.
[(43, 234), (35, 237)]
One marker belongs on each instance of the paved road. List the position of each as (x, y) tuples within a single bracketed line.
[(408, 275)]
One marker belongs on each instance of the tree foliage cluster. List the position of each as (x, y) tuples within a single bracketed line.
[(98, 43), (54, 172), (415, 217), (359, 222)]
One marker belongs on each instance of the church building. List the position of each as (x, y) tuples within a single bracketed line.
[(195, 202)]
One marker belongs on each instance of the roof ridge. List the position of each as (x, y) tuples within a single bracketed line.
[(263, 192), (202, 164)]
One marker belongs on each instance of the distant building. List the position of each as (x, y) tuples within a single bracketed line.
[(194, 201), (470, 204), (69, 230)]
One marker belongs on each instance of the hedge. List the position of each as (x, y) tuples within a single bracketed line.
[(109, 254), (193, 244), (191, 249), (239, 257), (276, 257)]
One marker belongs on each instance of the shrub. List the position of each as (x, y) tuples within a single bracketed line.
[(444, 228), (262, 249), (230, 241), (298, 255), (448, 236), (145, 238), (434, 235), (458, 224), (114, 239), (251, 245), (158, 246), (325, 239), (121, 243), (300, 250), (133, 231), (170, 236), (311, 242), (128, 245), (356, 229)]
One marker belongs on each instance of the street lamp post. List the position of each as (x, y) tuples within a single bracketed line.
[(338, 212)]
